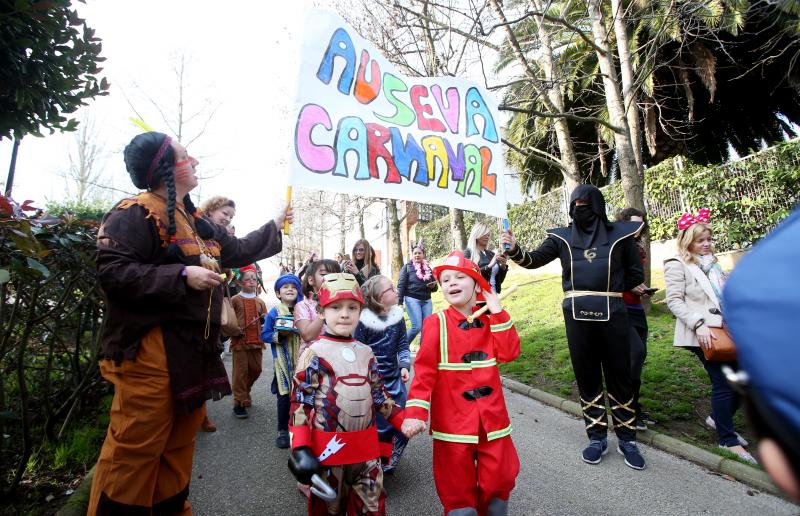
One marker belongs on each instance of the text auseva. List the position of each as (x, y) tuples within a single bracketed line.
[(459, 112)]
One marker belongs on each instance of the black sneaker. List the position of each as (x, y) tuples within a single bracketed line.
[(282, 441), (633, 458), (593, 453), (240, 412), (641, 425)]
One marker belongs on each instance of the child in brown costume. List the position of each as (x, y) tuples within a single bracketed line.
[(247, 347)]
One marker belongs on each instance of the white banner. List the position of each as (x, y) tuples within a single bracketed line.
[(363, 128)]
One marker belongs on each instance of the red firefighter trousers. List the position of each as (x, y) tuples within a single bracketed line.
[(471, 475)]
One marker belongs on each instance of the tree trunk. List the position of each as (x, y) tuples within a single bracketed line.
[(12, 167), (343, 200), (457, 229), (632, 182), (394, 237), (629, 92), (556, 98)]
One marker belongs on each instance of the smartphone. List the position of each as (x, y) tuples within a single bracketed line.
[(650, 291)]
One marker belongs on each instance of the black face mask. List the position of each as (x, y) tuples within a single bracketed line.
[(584, 217)]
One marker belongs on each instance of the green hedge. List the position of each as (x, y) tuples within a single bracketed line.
[(747, 197)]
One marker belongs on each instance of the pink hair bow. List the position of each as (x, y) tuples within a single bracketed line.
[(687, 219)]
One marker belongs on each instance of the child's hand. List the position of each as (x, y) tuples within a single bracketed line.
[(492, 301), (412, 427), (404, 376)]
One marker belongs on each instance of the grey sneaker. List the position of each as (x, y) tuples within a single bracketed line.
[(713, 425), (744, 455)]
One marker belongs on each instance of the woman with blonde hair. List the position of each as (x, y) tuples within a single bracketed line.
[(363, 265), (220, 210), (695, 281), (493, 266)]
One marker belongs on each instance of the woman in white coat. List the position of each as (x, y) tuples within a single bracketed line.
[(694, 289)]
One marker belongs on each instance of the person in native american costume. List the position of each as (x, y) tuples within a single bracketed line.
[(158, 264), (284, 338), (338, 390), (247, 347)]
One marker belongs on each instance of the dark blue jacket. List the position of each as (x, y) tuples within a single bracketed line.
[(410, 285)]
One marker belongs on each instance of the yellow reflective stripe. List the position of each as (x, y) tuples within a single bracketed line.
[(455, 438), (442, 338), (454, 367), (475, 364), (497, 434), (419, 404), (501, 326)]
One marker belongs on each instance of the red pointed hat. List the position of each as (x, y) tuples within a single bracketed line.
[(337, 287), (455, 261)]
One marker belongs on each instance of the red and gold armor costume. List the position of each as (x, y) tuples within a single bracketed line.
[(337, 391)]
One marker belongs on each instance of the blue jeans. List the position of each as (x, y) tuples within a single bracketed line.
[(417, 311), (724, 400)]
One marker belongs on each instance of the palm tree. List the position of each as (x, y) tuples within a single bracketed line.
[(709, 76)]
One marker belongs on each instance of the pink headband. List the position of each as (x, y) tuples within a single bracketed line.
[(156, 159), (687, 219)]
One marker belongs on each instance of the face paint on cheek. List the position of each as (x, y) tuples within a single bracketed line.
[(184, 168)]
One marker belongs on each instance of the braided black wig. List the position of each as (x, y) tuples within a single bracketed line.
[(150, 160)]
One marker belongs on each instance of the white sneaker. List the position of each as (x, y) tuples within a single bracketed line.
[(742, 455), (712, 425)]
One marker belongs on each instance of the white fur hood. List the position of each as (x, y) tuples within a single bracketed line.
[(373, 322)]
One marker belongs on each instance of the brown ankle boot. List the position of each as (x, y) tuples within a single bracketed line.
[(208, 425)]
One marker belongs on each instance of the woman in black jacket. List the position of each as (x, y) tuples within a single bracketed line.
[(414, 289), (493, 267), (363, 265)]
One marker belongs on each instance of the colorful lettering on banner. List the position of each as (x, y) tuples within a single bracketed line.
[(361, 127)]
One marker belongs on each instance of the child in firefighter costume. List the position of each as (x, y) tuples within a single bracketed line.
[(457, 383), (600, 261), (337, 391)]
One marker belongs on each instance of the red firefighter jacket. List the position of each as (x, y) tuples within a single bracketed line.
[(456, 379)]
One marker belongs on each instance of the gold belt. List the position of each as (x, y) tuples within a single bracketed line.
[(582, 293)]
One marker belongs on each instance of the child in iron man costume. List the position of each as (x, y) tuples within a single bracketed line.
[(337, 391), (457, 383)]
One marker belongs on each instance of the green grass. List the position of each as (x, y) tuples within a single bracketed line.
[(80, 449), (675, 390)]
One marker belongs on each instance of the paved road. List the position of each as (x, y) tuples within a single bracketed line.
[(238, 471)]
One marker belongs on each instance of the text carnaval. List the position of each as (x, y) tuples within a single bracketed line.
[(468, 165)]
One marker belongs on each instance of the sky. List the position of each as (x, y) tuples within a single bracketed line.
[(241, 60)]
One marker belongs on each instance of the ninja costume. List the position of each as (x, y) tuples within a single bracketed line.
[(600, 261)]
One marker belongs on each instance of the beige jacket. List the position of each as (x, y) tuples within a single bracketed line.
[(689, 298)]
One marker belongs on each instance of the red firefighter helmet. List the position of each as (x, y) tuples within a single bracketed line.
[(455, 261), (337, 287)]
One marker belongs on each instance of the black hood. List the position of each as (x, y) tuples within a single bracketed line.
[(596, 232)]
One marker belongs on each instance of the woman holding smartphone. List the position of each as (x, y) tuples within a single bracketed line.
[(638, 319)]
